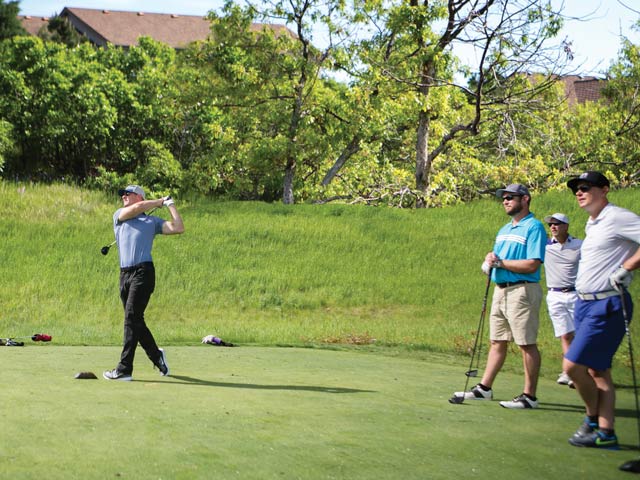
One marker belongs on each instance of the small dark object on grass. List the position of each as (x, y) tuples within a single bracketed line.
[(456, 400), (85, 375), (632, 466)]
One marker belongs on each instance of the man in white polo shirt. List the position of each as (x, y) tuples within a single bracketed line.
[(561, 268), (610, 252)]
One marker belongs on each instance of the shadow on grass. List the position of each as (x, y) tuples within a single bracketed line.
[(563, 407), (628, 447), (184, 380), (624, 386)]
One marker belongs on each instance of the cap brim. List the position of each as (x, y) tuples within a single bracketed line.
[(121, 192), (573, 183)]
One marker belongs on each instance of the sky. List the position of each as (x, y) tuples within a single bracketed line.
[(595, 39)]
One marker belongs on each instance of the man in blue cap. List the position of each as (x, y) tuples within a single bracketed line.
[(514, 265), (135, 232)]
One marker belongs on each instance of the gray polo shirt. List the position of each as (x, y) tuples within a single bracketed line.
[(561, 262), (134, 237), (611, 238)]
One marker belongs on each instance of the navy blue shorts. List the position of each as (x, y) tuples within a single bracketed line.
[(599, 331)]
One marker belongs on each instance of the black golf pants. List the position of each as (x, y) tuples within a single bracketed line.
[(137, 283)]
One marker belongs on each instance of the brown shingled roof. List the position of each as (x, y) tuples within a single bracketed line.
[(123, 28), (33, 24)]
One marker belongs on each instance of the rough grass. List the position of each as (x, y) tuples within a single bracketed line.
[(265, 274)]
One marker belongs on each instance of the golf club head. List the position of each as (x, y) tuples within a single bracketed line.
[(632, 466), (104, 250), (472, 373), (456, 400)]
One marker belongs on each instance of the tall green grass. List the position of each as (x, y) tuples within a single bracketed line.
[(265, 274)]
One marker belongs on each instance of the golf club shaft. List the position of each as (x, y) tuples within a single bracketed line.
[(478, 333), (625, 315), (477, 345), (36, 337), (482, 319), (105, 249)]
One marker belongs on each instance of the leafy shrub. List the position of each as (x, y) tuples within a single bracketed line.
[(161, 173), (6, 141)]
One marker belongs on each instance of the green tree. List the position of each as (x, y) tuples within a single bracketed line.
[(6, 142), (74, 110), (59, 29), (10, 26), (275, 72), (412, 47), (623, 114)]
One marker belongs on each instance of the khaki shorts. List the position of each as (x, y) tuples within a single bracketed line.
[(515, 313)]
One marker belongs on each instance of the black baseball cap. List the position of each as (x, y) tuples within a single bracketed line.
[(592, 178)]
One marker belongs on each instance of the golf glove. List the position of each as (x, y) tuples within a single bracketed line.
[(486, 268), (168, 201), (621, 278)]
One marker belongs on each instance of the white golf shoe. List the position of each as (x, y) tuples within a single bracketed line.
[(476, 393)]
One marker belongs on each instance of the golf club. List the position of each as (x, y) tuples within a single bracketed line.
[(473, 372), (632, 466), (104, 250)]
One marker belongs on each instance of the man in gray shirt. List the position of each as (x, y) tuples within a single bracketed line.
[(561, 268), (135, 231), (610, 252)]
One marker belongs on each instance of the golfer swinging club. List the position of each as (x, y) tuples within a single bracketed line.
[(134, 232)]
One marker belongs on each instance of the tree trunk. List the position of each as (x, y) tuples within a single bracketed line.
[(289, 175), (347, 153), (423, 165)]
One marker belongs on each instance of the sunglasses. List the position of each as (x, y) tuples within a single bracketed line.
[(553, 224), (510, 197), (582, 188), (126, 194)]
